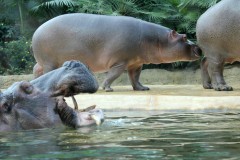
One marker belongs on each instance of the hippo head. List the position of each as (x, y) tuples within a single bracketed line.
[(24, 105), (179, 48)]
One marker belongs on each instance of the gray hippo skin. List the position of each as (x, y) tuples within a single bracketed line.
[(218, 31), (26, 105), (72, 78), (108, 44)]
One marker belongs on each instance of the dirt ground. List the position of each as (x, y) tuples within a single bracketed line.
[(148, 77)]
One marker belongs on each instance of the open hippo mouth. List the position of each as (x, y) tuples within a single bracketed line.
[(40, 103), (195, 49), (78, 118)]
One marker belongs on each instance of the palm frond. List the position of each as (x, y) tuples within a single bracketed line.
[(53, 4)]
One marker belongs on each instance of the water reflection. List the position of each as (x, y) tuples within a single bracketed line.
[(133, 135)]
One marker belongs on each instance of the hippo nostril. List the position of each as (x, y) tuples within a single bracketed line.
[(6, 107)]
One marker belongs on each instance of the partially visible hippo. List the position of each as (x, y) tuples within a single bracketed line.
[(218, 32), (108, 43), (71, 79), (40, 103)]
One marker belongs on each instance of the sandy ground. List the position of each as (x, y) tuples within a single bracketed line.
[(161, 97)]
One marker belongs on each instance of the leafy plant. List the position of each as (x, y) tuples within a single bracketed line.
[(47, 9), (18, 56)]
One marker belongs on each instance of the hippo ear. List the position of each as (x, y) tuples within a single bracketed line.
[(184, 37), (173, 34), (26, 87)]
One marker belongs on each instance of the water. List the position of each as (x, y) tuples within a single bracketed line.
[(134, 135)]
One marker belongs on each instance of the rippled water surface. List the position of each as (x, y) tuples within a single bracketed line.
[(134, 135)]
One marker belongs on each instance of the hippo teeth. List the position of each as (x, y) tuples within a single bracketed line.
[(96, 119), (74, 103)]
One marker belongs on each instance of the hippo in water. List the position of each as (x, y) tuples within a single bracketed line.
[(218, 31), (40, 103), (108, 44)]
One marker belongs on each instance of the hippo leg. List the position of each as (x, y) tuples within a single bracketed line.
[(206, 80), (48, 68), (215, 70), (134, 74), (37, 70), (114, 72)]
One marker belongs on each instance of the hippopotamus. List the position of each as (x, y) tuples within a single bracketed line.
[(40, 103), (109, 44), (218, 34)]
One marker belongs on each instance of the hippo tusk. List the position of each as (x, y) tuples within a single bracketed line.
[(74, 103), (97, 119)]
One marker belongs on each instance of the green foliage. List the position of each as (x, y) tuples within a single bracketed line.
[(19, 18), (46, 9), (197, 3), (17, 54), (148, 10), (7, 32)]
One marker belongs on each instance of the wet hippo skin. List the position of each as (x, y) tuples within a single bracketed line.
[(40, 103)]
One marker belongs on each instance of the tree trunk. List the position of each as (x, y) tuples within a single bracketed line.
[(20, 2)]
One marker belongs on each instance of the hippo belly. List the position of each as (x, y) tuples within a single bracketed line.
[(219, 40)]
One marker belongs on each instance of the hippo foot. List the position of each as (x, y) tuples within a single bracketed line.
[(207, 86), (142, 88), (222, 88), (108, 89)]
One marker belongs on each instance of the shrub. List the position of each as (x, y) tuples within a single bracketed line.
[(18, 57)]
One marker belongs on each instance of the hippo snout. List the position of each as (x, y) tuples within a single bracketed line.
[(197, 51)]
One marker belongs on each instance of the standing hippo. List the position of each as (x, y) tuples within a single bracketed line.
[(108, 43), (35, 104), (218, 31)]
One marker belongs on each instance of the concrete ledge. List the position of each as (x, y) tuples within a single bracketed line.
[(164, 97)]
